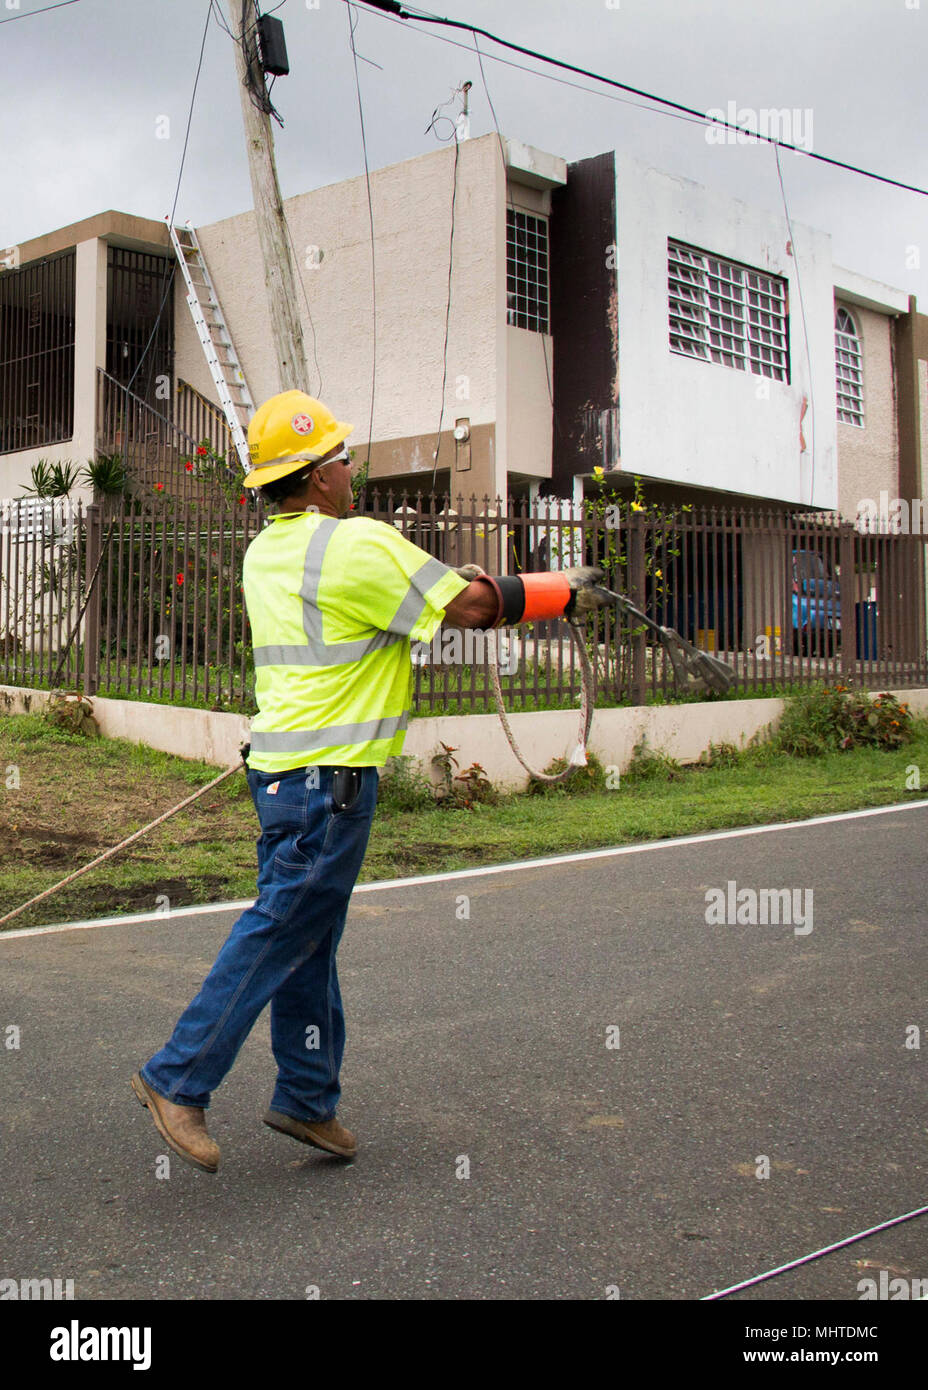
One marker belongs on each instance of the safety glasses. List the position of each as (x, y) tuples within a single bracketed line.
[(343, 457)]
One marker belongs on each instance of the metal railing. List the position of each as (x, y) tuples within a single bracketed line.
[(200, 419), (784, 599)]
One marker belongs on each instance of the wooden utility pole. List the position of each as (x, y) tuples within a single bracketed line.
[(279, 270)]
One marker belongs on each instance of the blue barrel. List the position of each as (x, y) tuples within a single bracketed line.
[(866, 631)]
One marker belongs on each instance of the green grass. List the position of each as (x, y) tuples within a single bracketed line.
[(76, 797)]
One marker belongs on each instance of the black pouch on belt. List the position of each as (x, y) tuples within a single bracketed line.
[(346, 787)]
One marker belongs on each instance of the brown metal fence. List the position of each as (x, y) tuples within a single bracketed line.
[(785, 599)]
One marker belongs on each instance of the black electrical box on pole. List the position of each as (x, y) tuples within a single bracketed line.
[(273, 46)]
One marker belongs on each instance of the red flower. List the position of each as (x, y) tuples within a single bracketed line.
[(159, 487), (180, 579), (241, 500), (188, 465), (201, 449)]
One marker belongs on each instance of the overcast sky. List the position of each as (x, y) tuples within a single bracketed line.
[(84, 88)]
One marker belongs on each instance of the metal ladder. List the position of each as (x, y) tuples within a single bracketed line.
[(214, 335)]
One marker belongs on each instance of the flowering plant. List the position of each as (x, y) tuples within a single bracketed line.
[(213, 468)]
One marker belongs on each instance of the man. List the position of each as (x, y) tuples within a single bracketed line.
[(333, 605)]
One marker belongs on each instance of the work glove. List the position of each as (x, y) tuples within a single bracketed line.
[(585, 599), (469, 572)]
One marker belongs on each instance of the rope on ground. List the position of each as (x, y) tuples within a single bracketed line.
[(816, 1255), (122, 844)]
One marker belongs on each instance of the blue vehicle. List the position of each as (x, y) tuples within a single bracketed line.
[(816, 604)]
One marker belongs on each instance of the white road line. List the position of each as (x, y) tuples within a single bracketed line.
[(380, 885)]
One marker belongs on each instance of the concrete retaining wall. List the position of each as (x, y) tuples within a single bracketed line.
[(681, 731)]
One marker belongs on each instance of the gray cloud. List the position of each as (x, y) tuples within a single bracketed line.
[(83, 87)]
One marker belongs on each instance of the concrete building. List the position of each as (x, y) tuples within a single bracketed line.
[(602, 315)]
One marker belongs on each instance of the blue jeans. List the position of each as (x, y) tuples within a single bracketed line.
[(282, 950)]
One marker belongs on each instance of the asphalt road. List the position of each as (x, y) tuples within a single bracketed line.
[(480, 1045)]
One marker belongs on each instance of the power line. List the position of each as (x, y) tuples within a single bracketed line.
[(805, 328), (29, 13), (391, 7), (444, 369), (352, 25), (309, 311), (222, 21), (549, 76), (511, 204), (170, 279)]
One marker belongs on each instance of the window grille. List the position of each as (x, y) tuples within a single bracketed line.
[(727, 313), (37, 353), (526, 271), (848, 370)]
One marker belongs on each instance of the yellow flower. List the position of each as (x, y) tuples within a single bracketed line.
[(598, 471), (637, 507), (658, 574)]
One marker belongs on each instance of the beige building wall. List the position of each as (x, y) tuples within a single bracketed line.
[(412, 225), (868, 455), (923, 432), (529, 368)]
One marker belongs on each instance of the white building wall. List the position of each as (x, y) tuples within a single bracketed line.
[(696, 422)]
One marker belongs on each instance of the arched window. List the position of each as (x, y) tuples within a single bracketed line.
[(849, 370)]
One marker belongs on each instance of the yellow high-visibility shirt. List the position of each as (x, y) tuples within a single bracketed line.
[(334, 607)]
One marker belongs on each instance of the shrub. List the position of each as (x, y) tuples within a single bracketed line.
[(720, 755), (73, 712), (827, 719), (467, 789), (52, 479), (650, 766), (403, 787), (591, 778)]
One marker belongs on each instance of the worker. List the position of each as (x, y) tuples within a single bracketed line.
[(334, 603)]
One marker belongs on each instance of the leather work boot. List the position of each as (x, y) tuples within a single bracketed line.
[(183, 1127), (323, 1134)]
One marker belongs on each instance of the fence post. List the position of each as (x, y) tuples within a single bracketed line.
[(846, 561), (636, 580), (94, 518)]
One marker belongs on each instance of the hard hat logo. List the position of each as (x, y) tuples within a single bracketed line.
[(278, 429)]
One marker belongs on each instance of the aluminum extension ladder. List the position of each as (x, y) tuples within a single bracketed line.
[(214, 335)]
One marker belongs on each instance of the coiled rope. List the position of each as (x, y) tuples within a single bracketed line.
[(578, 756)]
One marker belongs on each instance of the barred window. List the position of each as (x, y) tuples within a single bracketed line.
[(526, 271), (37, 353), (727, 313), (848, 370)]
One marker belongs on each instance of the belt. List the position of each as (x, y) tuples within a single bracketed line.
[(346, 782)]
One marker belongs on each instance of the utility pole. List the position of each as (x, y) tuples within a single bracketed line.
[(279, 270)]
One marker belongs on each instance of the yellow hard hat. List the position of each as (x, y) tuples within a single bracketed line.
[(287, 431)]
